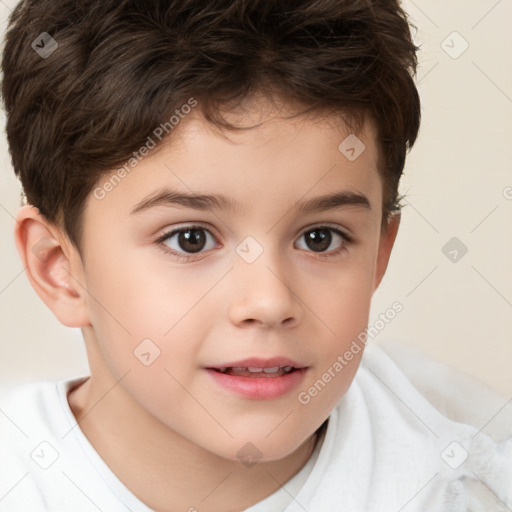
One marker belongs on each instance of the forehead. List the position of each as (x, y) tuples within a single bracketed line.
[(269, 127), (280, 155)]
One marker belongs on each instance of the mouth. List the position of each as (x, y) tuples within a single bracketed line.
[(258, 378), (247, 371), (258, 367)]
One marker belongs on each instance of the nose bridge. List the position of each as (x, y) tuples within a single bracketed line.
[(264, 287)]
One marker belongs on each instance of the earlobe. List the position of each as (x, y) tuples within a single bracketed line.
[(387, 240), (50, 267)]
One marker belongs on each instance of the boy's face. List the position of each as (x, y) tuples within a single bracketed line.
[(260, 281)]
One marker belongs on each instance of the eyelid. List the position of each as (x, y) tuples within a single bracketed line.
[(172, 231), (185, 225), (335, 227)]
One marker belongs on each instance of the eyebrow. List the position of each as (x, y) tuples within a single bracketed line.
[(169, 197)]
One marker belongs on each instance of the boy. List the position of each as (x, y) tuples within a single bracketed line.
[(180, 162)]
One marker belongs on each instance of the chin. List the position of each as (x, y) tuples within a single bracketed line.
[(264, 449)]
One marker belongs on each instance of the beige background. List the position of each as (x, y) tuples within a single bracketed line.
[(456, 181)]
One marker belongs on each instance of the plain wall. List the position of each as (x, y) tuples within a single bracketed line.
[(455, 181)]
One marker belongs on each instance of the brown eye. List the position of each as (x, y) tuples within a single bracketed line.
[(191, 240), (187, 240), (318, 239), (321, 238)]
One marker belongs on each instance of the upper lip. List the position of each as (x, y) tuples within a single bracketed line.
[(258, 362)]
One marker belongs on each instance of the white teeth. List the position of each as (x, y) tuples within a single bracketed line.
[(286, 369)]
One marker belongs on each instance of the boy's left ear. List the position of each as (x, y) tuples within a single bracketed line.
[(387, 240)]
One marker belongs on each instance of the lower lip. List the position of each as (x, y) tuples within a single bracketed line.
[(259, 388)]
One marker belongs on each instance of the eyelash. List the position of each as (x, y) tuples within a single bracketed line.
[(159, 242)]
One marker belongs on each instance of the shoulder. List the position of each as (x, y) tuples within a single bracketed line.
[(34, 410), (22, 430), (437, 388), (32, 422), (24, 408), (30, 413), (435, 425)]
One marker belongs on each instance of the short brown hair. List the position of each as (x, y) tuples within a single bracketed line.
[(123, 67)]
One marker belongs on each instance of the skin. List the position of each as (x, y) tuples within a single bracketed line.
[(182, 432)]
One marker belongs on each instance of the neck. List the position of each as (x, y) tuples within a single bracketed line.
[(166, 471)]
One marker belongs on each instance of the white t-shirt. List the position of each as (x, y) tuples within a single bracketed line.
[(386, 448)]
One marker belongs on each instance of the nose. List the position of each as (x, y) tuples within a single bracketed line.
[(264, 294)]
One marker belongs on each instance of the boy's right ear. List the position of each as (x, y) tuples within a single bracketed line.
[(53, 266)]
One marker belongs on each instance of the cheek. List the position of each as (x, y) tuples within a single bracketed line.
[(141, 297), (342, 300), (343, 309), (139, 309)]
